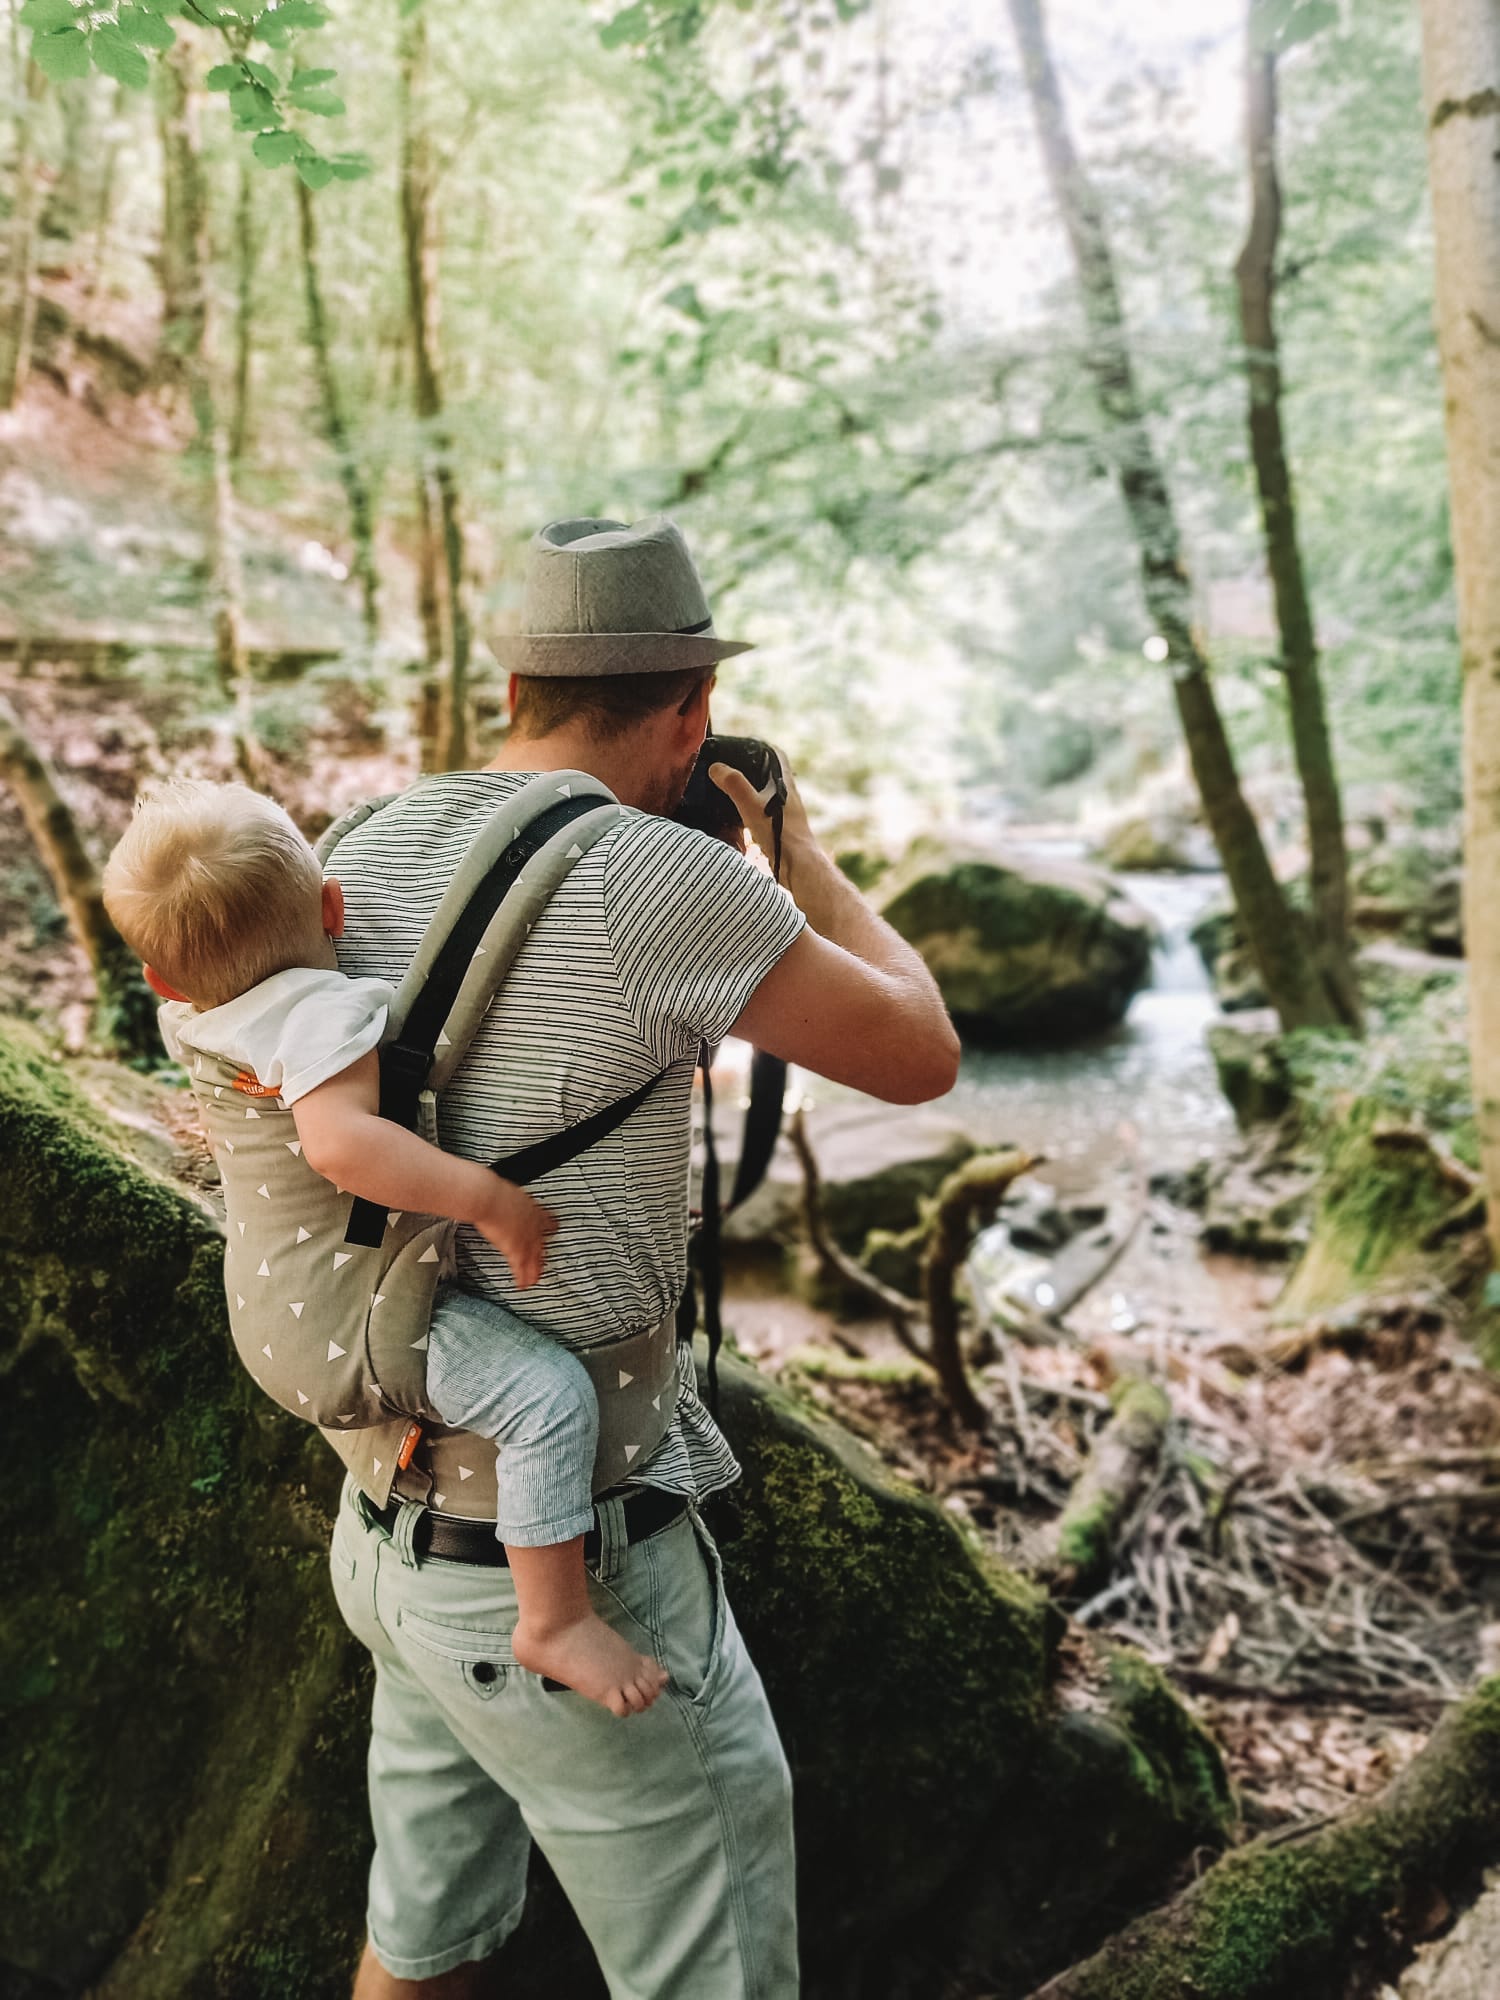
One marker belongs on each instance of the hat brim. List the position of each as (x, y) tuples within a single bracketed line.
[(576, 655)]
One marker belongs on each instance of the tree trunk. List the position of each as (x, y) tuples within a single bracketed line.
[(190, 329), (335, 425), (420, 244), (183, 219), (1277, 941), (1288, 1914), (20, 316), (65, 206), (1255, 278), (104, 208), (1461, 89), (124, 1011), (245, 250)]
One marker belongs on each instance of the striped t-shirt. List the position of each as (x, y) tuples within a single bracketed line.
[(654, 943)]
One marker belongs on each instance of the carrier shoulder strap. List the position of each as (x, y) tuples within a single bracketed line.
[(516, 863)]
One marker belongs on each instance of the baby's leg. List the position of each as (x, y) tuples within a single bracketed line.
[(490, 1372)]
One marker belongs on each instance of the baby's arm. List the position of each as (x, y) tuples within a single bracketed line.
[(345, 1139)]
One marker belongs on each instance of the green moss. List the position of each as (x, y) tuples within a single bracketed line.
[(1282, 1917), (827, 1364), (1376, 1206)]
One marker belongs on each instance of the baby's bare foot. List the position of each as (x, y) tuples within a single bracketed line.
[(592, 1659)]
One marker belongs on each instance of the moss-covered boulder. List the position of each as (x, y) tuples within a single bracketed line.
[(182, 1731), (875, 1163), (1023, 949), (1250, 1063)]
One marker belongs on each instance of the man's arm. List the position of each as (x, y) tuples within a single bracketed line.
[(848, 999), (345, 1139)]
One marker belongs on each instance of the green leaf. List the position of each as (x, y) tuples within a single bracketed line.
[(148, 31), (685, 299), (299, 14), (267, 78), (321, 103), (315, 170), (271, 31), (223, 76), (1492, 1289), (46, 16), (114, 55), (351, 166), (275, 149), (61, 55), (310, 79), (632, 24), (250, 101), (1276, 25)]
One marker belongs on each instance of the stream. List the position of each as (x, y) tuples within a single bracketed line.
[(1153, 1073)]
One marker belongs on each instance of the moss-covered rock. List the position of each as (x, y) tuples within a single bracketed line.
[(1022, 949), (183, 1715), (1251, 1066), (875, 1163), (1290, 1916)]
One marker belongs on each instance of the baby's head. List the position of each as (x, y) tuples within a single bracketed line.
[(216, 889)]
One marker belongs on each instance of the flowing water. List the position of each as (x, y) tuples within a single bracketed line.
[(1152, 1074)]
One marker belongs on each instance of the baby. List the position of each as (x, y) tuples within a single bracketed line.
[(226, 904)]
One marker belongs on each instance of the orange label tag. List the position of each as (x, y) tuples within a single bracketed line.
[(408, 1445), (252, 1086)]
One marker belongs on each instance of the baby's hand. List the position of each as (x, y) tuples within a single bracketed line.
[(518, 1227)]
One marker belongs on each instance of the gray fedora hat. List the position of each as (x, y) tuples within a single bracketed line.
[(604, 598)]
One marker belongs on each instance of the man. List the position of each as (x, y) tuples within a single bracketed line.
[(670, 1832)]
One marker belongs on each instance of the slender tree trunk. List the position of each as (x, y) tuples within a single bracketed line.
[(104, 209), (1255, 277), (20, 316), (1277, 941), (335, 425), (190, 322), (245, 250), (125, 1013), (1461, 90), (184, 204), (67, 201), (420, 245)]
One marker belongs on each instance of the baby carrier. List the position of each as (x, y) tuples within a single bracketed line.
[(330, 1296)]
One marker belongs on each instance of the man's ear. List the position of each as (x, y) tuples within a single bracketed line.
[(333, 907), (160, 987)]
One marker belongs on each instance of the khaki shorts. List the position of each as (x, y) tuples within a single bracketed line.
[(670, 1832)]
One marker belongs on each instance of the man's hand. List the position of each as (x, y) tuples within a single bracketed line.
[(518, 1226), (796, 829), (848, 999)]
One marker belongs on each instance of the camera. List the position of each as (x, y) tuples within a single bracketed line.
[(712, 811)]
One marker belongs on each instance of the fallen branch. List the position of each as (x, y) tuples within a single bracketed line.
[(968, 1198), (893, 1305), (1283, 1915), (1076, 1550), (972, 1193)]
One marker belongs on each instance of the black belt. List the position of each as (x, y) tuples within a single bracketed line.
[(647, 1511)]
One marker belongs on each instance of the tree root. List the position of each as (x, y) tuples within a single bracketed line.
[(1284, 1914)]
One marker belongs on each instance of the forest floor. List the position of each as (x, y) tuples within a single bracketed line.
[(1293, 1565)]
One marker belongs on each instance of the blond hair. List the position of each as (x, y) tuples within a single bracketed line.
[(215, 888)]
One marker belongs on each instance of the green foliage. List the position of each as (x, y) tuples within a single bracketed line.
[(71, 36)]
